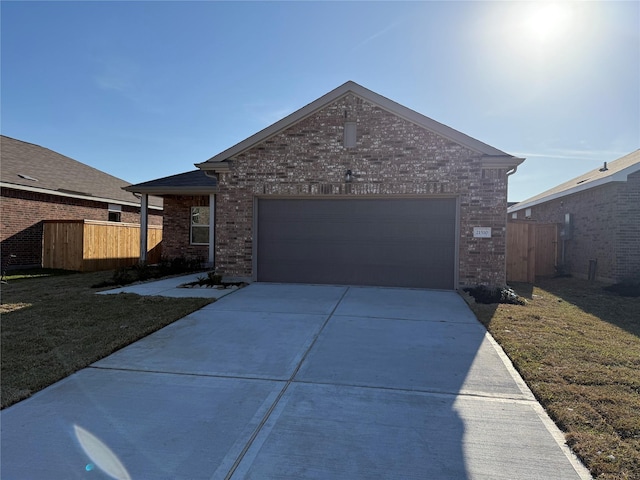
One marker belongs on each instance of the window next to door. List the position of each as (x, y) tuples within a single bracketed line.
[(199, 225)]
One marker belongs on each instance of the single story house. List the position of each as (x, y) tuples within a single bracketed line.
[(599, 218), (37, 184), (353, 188)]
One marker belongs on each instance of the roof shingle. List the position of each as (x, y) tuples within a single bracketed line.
[(29, 166)]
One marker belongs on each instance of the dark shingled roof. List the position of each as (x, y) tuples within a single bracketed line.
[(194, 182), (26, 166)]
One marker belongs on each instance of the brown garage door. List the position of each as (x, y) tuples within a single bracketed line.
[(386, 242)]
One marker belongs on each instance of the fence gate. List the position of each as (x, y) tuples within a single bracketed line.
[(532, 250)]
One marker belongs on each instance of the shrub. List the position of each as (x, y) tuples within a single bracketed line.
[(123, 276), (214, 278), (182, 264), (143, 271), (483, 294)]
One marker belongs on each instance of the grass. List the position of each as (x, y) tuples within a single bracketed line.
[(578, 348), (33, 273), (52, 326)]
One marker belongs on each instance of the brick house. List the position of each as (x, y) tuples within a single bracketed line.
[(599, 218), (351, 189), (38, 184)]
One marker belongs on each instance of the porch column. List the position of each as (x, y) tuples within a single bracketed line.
[(212, 229), (144, 221)]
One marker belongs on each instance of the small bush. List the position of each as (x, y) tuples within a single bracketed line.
[(142, 271), (483, 294), (182, 264), (123, 276)]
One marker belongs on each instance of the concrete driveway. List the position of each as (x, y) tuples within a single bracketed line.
[(295, 381)]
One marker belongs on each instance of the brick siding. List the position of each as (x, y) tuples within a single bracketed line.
[(176, 226), (627, 235), (392, 157), (606, 228), (23, 213)]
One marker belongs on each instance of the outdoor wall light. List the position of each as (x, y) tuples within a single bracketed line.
[(348, 177)]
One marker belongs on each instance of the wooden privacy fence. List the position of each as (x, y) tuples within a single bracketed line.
[(90, 245), (532, 250)]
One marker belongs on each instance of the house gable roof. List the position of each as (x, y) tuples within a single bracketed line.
[(30, 167), (494, 158), (196, 182), (616, 171)]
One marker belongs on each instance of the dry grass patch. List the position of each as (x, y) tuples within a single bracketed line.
[(578, 348), (64, 326)]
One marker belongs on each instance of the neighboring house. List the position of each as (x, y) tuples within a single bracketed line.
[(599, 217), (38, 184), (351, 189)]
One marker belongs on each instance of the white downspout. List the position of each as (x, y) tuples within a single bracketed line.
[(144, 222), (212, 229)]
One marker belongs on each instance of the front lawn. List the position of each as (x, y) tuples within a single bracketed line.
[(52, 326), (578, 348)]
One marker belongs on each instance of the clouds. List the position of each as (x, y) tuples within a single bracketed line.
[(376, 35)]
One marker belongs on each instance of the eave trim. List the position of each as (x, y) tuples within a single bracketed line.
[(159, 191)]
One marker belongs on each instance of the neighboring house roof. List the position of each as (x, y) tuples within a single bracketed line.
[(493, 157), (616, 171), (195, 182), (30, 167)]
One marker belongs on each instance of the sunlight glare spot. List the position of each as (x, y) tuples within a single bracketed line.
[(548, 21)]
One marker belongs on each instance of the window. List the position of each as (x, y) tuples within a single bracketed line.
[(527, 213), (115, 213), (514, 215), (199, 225)]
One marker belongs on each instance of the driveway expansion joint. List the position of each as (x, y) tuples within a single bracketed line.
[(255, 433), (433, 392), (187, 374)]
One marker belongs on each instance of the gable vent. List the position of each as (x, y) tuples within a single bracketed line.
[(350, 134)]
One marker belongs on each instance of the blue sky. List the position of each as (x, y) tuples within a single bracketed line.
[(143, 90)]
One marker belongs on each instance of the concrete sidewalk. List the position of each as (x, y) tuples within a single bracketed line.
[(171, 287), (296, 382)]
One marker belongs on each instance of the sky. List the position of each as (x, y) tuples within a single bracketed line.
[(143, 90)]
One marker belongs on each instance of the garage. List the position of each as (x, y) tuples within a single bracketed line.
[(395, 242), (352, 188)]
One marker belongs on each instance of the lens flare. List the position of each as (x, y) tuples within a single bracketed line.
[(101, 455)]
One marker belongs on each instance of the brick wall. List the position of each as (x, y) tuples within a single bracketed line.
[(392, 157), (176, 227), (627, 235), (606, 228), (22, 213)]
